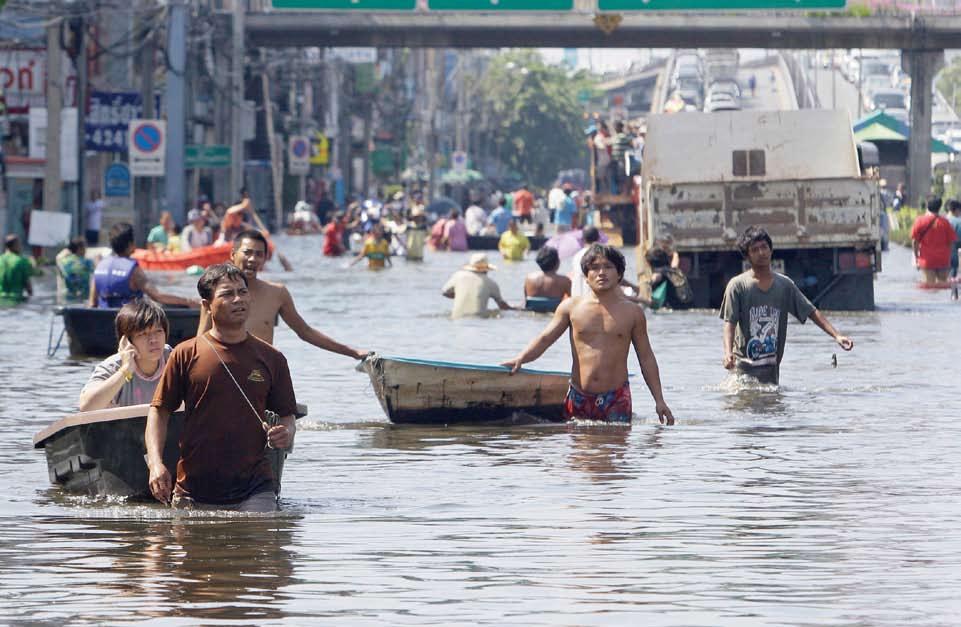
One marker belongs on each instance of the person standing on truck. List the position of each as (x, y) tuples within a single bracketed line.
[(622, 144), (933, 240), (755, 308)]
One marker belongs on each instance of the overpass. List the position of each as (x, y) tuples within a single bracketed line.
[(922, 40)]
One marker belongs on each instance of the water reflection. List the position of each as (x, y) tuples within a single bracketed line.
[(204, 568)]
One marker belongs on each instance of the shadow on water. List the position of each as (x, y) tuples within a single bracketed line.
[(227, 568)]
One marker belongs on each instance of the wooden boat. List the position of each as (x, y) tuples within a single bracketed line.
[(101, 453), (489, 242), (91, 330), (153, 261), (421, 391)]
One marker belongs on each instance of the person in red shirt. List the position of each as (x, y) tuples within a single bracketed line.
[(334, 236), (933, 239), (524, 205)]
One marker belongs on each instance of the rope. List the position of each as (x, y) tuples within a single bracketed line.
[(263, 422)]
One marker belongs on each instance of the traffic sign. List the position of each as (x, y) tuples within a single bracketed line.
[(146, 143), (340, 5), (116, 180), (501, 5), (320, 150), (458, 160), (717, 5), (216, 156), (298, 155)]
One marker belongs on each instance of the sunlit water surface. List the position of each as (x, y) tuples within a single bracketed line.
[(833, 500)]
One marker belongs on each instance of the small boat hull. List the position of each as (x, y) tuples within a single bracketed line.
[(154, 261), (102, 453), (91, 331), (416, 391)]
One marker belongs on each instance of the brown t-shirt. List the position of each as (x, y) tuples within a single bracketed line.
[(222, 456)]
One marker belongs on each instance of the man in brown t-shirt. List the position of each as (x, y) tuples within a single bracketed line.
[(222, 450)]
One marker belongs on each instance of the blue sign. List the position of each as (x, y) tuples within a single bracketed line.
[(116, 180), (147, 137), (108, 118)]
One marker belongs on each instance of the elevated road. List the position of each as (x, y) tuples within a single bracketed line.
[(578, 30)]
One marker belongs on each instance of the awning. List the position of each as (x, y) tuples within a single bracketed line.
[(880, 126)]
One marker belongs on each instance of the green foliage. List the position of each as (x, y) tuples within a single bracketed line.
[(535, 122), (950, 79), (902, 223)]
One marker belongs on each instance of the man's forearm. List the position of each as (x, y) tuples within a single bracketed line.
[(728, 338), (652, 377), (155, 436), (824, 323), (318, 339)]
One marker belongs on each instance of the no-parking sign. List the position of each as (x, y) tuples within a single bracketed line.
[(146, 142), (298, 154)]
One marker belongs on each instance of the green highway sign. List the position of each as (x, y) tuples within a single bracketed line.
[(717, 5), (501, 5), (200, 156), (342, 5)]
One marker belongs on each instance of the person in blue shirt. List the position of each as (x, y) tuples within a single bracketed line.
[(118, 279), (566, 210), (500, 217), (954, 207)]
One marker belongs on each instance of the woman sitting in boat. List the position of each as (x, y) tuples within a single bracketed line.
[(544, 290), (130, 376)]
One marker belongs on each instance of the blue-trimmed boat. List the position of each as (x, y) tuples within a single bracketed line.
[(423, 391)]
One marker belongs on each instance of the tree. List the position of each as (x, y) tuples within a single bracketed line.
[(535, 124)]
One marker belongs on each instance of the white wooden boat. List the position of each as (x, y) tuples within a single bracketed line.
[(102, 453), (422, 391)]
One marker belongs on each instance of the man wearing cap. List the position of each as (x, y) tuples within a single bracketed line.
[(471, 288), (196, 234)]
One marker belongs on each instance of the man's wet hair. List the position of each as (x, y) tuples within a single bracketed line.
[(253, 234), (596, 251), (120, 237), (76, 245), (591, 234), (752, 235), (139, 315), (954, 205), (933, 203), (10, 242), (548, 259), (214, 275)]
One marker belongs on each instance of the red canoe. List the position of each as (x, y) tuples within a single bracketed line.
[(205, 256)]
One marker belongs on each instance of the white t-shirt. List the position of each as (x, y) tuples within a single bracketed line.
[(555, 197), (95, 215), (476, 219), (472, 290), (192, 237), (579, 286)]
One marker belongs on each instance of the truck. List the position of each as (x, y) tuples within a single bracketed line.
[(706, 177)]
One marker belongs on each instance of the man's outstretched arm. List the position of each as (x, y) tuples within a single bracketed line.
[(555, 328), (311, 335), (819, 319)]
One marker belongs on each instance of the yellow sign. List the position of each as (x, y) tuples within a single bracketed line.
[(320, 150)]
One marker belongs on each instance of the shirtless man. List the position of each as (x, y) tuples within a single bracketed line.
[(546, 289), (270, 299), (603, 324)]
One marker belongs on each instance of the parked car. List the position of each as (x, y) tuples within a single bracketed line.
[(888, 99)]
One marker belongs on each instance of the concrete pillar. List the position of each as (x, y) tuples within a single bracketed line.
[(237, 96), (922, 66), (52, 185), (175, 178)]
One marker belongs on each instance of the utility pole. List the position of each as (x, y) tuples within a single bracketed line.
[(276, 158), (143, 210), (236, 106), (432, 96), (52, 184), (175, 180), (80, 32), (306, 110)]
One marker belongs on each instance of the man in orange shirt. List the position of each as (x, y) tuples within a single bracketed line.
[(524, 205), (933, 239)]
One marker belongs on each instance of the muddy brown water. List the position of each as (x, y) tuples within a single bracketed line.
[(833, 500)]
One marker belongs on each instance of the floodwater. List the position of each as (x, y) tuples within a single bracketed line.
[(834, 500)]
